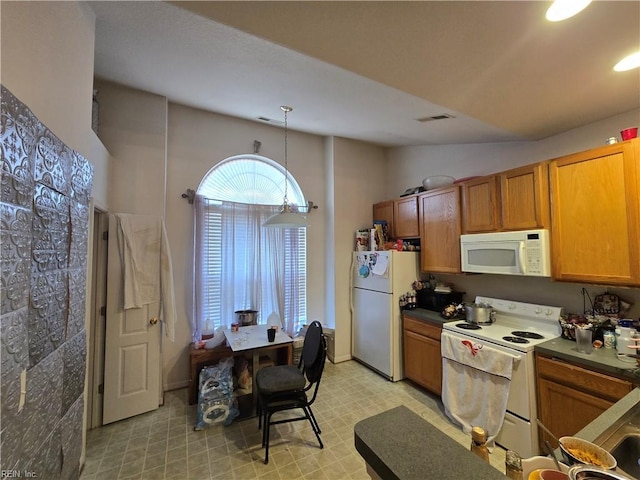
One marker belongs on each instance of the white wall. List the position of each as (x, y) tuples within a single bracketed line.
[(359, 178), (407, 166), (47, 62), (133, 127)]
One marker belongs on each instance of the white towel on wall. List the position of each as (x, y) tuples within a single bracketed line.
[(146, 263), (475, 383)]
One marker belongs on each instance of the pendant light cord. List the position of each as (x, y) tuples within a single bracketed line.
[(286, 110)]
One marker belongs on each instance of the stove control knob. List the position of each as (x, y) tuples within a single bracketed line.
[(512, 306), (548, 312), (538, 310)]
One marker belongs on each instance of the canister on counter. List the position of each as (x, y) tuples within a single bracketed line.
[(609, 339)]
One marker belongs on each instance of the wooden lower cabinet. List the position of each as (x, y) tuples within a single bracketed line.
[(570, 397), (422, 359)]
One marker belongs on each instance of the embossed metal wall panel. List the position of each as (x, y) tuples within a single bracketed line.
[(44, 230), (71, 431), (15, 252), (14, 357)]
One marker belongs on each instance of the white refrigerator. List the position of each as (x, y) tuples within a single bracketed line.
[(378, 281)]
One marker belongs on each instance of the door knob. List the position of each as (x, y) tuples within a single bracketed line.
[(153, 321)]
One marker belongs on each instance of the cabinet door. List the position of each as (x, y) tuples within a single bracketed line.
[(570, 396), (422, 361), (524, 197), (565, 410), (480, 205), (595, 215), (384, 211), (405, 218), (440, 230)]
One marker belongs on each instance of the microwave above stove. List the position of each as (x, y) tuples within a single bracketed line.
[(523, 252)]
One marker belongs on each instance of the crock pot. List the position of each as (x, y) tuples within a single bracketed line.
[(246, 317)]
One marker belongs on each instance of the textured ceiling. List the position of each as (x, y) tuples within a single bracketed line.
[(368, 70)]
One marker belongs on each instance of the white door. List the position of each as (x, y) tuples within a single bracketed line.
[(372, 329), (132, 347)]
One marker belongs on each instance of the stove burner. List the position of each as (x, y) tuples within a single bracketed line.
[(532, 335), (515, 339), (468, 326)]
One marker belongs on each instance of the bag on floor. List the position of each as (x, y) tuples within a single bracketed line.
[(216, 402)]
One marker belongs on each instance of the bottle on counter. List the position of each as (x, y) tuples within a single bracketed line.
[(513, 465), (207, 331), (273, 321), (479, 443)]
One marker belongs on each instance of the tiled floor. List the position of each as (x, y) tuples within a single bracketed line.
[(163, 445)]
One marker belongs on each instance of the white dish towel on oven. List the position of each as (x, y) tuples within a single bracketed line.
[(475, 383)]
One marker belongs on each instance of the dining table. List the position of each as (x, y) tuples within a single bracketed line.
[(249, 341)]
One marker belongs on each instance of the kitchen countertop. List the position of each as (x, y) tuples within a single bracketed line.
[(400, 445), (426, 315), (604, 360)]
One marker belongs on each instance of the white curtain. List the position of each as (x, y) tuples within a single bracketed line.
[(240, 265)]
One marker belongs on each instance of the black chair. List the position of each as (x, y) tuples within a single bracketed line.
[(288, 387)]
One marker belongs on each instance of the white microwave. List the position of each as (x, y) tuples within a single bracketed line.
[(508, 253)]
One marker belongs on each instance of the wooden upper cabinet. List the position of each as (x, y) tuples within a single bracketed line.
[(384, 211), (524, 197), (440, 228), (480, 205), (596, 215), (405, 217), (517, 199)]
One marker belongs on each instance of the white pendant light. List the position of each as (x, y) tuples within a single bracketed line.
[(286, 217), (628, 63), (563, 9)]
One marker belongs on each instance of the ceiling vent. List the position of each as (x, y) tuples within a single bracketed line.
[(270, 120), (435, 117)]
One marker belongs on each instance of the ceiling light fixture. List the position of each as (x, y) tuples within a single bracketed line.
[(563, 9), (286, 217), (628, 63)]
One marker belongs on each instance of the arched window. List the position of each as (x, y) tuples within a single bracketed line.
[(238, 264)]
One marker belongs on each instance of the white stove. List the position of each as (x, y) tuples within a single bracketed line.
[(517, 329), (517, 325)]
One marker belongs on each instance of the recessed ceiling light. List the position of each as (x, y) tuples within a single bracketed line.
[(628, 63), (563, 9)]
